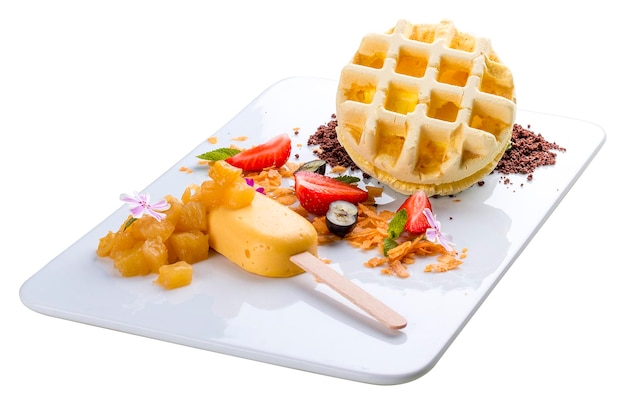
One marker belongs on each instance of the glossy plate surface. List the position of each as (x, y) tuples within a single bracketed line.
[(296, 322)]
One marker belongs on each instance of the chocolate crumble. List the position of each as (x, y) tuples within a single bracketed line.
[(528, 151), (328, 148)]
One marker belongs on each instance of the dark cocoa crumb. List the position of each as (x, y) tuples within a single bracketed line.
[(528, 151), (328, 148)]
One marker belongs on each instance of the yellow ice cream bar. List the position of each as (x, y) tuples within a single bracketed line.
[(262, 236)]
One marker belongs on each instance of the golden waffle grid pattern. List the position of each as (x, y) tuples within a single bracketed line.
[(425, 107)]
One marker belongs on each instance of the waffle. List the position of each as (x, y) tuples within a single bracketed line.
[(425, 107)]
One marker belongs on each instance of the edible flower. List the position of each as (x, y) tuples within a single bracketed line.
[(140, 204), (434, 233), (250, 182)]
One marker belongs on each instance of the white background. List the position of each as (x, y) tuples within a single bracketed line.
[(98, 98)]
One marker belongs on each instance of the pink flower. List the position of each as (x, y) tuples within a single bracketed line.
[(434, 233), (140, 204)]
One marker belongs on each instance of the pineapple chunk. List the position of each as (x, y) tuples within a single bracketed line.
[(156, 254), (192, 217), (105, 244), (227, 187), (148, 227), (209, 193), (238, 195), (175, 275), (173, 213), (115, 242), (131, 262), (224, 174), (191, 247)]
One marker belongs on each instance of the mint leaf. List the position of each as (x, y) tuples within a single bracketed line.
[(388, 244), (396, 225), (219, 154), (348, 179), (394, 230)]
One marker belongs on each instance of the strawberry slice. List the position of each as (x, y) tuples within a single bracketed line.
[(415, 205), (316, 191), (271, 154)]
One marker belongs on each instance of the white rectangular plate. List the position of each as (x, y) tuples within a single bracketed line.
[(297, 322)]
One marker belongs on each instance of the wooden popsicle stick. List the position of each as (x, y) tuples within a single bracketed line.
[(349, 290)]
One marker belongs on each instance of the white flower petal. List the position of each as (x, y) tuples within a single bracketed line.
[(432, 220), (160, 205), (156, 215), (129, 199), (137, 211), (431, 235), (446, 242)]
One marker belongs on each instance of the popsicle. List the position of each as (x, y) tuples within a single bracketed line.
[(266, 238), (261, 237)]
